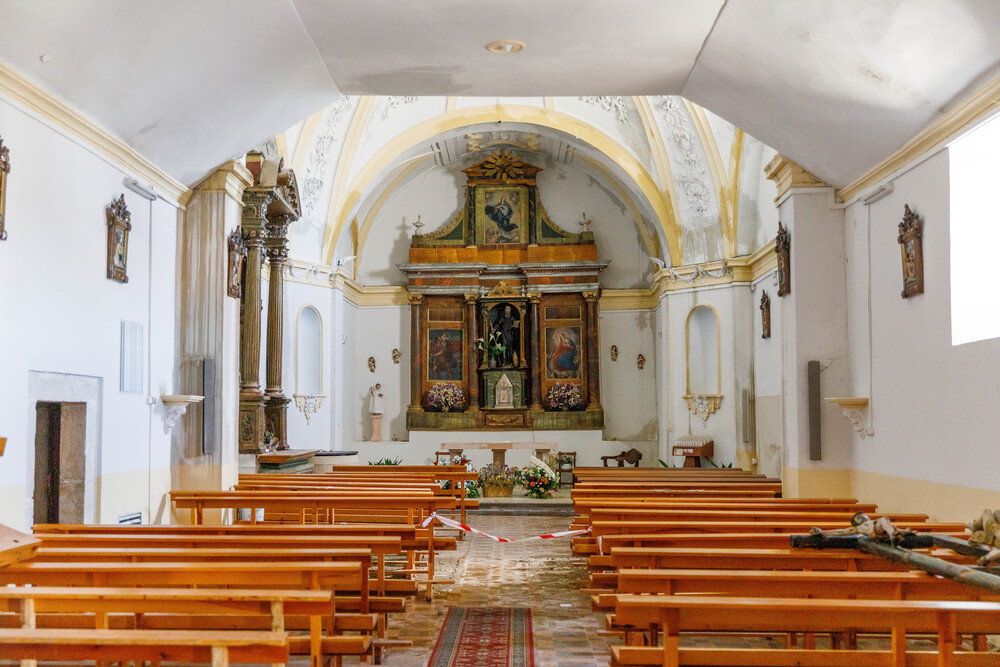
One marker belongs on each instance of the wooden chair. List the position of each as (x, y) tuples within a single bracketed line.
[(632, 456)]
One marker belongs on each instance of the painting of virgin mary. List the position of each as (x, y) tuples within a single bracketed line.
[(562, 346)]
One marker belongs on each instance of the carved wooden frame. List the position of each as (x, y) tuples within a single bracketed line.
[(4, 170), (765, 315), (782, 246), (119, 225), (911, 252)]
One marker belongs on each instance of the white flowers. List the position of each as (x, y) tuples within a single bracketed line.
[(537, 463)]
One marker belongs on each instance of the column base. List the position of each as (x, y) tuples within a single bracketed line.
[(251, 422), (276, 418)]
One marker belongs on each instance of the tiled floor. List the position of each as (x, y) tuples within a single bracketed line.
[(540, 574)]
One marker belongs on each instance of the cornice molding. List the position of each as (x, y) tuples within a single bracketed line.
[(968, 112), (55, 112), (788, 175), (231, 178)]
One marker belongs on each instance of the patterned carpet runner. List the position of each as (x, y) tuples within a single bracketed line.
[(485, 637)]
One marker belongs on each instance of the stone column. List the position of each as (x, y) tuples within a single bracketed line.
[(472, 333), (534, 299), (276, 410), (416, 360), (251, 425), (593, 352)]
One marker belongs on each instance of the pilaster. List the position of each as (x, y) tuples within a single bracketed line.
[(593, 352), (416, 314), (472, 333)]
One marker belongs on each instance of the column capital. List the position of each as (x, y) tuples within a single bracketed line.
[(415, 299), (534, 297), (471, 298), (592, 295)]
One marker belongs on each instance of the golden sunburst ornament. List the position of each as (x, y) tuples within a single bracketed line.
[(503, 166)]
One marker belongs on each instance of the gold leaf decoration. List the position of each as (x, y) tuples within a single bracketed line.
[(503, 166)]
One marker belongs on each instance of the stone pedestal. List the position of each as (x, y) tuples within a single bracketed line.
[(376, 428)]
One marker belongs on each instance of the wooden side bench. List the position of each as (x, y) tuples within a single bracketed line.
[(214, 648), (680, 614)]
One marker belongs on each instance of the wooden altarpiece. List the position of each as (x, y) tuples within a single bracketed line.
[(501, 266)]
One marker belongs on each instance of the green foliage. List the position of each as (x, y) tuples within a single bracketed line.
[(716, 465), (472, 490), (492, 345), (386, 462), (665, 464)]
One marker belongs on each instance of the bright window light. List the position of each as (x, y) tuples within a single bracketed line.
[(974, 165)]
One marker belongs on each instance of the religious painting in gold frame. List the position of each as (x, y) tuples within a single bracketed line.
[(910, 240), (119, 225), (4, 170), (501, 214)]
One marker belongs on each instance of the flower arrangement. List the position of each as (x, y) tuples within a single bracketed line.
[(444, 396), (564, 395), (491, 345), (539, 480), (497, 481)]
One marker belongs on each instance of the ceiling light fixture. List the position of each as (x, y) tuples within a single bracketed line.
[(505, 46)]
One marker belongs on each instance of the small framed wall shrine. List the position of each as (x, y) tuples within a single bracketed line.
[(504, 307)]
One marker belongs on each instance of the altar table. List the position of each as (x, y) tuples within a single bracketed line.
[(500, 448)]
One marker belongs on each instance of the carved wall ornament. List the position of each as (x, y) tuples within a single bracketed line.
[(309, 404), (324, 147), (119, 225), (4, 170), (615, 105), (503, 289), (765, 315), (640, 361), (911, 249), (783, 248), (237, 255), (614, 353), (395, 355), (371, 364), (503, 166), (703, 405), (394, 102), (692, 176)]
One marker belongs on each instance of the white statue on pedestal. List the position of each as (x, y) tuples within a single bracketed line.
[(376, 406)]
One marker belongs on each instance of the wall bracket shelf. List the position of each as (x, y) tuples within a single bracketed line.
[(852, 407)]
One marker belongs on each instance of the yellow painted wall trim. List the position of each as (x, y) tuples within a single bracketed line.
[(719, 178), (662, 162), (968, 112), (324, 275), (342, 197), (282, 145), (787, 175), (304, 143), (376, 208), (342, 206), (56, 112), (231, 177), (628, 299), (733, 194)]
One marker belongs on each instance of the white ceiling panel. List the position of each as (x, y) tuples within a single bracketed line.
[(187, 83), (574, 47), (838, 86)]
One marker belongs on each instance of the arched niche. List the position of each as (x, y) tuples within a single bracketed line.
[(703, 361), (308, 361)]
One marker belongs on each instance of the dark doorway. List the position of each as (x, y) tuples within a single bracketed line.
[(60, 437)]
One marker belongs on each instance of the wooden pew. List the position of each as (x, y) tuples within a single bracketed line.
[(183, 609), (753, 559), (211, 647), (684, 614), (753, 515)]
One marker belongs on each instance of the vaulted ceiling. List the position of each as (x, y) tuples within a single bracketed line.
[(835, 85)]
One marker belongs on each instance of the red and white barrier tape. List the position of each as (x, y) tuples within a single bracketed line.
[(469, 529)]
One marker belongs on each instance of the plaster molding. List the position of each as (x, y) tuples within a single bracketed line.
[(968, 112), (57, 113), (722, 182), (627, 299), (663, 171), (615, 105), (703, 405), (788, 175), (320, 153), (345, 196), (232, 178), (308, 404), (393, 102), (692, 176), (304, 141), (338, 278)]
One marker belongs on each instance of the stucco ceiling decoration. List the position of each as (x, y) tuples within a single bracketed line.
[(323, 149), (615, 105), (504, 166), (835, 86)]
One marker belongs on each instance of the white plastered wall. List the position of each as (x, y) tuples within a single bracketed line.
[(60, 314)]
